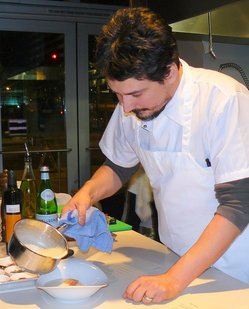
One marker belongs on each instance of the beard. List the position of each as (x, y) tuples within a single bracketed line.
[(140, 113)]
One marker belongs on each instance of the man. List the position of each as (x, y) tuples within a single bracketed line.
[(189, 128)]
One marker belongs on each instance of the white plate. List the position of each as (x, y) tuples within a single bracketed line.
[(91, 278), (17, 285)]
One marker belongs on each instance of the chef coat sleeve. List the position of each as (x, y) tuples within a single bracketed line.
[(229, 137), (233, 198), (115, 143), (124, 173)]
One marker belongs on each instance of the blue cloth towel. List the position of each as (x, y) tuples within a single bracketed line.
[(94, 232)]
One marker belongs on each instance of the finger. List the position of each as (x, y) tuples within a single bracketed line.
[(139, 295), (135, 291), (67, 208), (81, 216), (131, 288), (147, 299)]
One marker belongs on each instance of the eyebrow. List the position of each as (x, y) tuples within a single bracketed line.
[(128, 93), (134, 92)]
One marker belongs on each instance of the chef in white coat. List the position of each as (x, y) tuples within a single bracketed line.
[(189, 128)]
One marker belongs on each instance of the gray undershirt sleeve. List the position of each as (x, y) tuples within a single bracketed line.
[(233, 198), (124, 173)]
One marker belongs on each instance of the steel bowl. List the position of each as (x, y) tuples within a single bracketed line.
[(37, 246)]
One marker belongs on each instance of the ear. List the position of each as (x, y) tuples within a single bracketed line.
[(174, 74)]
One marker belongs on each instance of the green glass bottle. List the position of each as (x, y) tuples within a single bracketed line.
[(28, 189), (46, 208)]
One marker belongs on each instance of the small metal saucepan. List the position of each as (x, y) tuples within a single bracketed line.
[(37, 246)]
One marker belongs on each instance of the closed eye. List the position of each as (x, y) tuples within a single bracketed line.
[(136, 95)]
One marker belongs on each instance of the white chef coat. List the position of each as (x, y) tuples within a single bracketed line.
[(206, 118)]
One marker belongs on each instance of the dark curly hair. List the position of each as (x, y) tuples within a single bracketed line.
[(136, 43)]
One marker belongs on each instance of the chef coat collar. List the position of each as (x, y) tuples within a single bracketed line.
[(174, 108)]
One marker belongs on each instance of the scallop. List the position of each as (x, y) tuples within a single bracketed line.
[(6, 261), (12, 269), (4, 278), (22, 275)]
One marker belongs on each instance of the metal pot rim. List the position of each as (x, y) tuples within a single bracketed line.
[(32, 260), (44, 224)]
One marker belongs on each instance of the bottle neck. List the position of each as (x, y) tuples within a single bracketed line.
[(45, 176), (28, 171), (11, 180)]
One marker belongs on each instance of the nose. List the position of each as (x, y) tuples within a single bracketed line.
[(127, 103)]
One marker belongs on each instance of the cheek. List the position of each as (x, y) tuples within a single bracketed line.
[(139, 103), (149, 101), (156, 100)]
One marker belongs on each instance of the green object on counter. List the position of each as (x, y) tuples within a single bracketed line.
[(119, 226)]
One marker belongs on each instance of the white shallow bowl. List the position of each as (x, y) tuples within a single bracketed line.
[(89, 275)]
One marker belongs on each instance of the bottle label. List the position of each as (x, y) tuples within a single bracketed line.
[(50, 219), (47, 195), (13, 209), (44, 176)]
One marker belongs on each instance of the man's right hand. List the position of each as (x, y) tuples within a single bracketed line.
[(80, 201)]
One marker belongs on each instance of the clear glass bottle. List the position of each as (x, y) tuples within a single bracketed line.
[(46, 207), (28, 189), (12, 205)]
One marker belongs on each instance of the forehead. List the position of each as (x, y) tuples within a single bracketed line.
[(129, 85)]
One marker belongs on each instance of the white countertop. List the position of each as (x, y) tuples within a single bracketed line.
[(134, 255)]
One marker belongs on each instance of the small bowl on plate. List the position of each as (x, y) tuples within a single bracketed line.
[(73, 280)]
